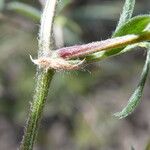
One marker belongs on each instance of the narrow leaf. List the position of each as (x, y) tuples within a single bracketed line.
[(126, 13), (135, 25), (136, 96)]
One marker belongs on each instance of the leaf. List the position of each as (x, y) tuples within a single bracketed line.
[(124, 17), (126, 13), (24, 10), (135, 25), (136, 96)]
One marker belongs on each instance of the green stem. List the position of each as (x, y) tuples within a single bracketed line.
[(43, 77), (42, 86)]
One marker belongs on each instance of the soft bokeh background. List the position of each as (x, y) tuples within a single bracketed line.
[(78, 113)]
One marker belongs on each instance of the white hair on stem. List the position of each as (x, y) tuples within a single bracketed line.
[(45, 33)]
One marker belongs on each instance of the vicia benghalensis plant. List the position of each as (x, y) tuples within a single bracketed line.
[(130, 32)]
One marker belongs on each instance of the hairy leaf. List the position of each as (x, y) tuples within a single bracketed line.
[(135, 25), (136, 96), (126, 13)]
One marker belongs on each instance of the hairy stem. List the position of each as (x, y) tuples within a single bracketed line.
[(43, 77), (86, 49), (42, 86), (45, 34)]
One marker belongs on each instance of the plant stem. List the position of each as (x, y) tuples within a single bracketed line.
[(43, 77), (45, 34), (42, 86), (86, 49)]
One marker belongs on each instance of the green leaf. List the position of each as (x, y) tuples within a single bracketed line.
[(136, 96), (25, 10), (135, 25), (126, 13)]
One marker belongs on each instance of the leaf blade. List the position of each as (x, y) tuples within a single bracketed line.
[(126, 13), (136, 96), (135, 25)]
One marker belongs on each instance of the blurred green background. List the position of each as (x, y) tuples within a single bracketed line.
[(78, 113)]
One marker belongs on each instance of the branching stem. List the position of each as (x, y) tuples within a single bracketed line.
[(43, 77), (63, 58)]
